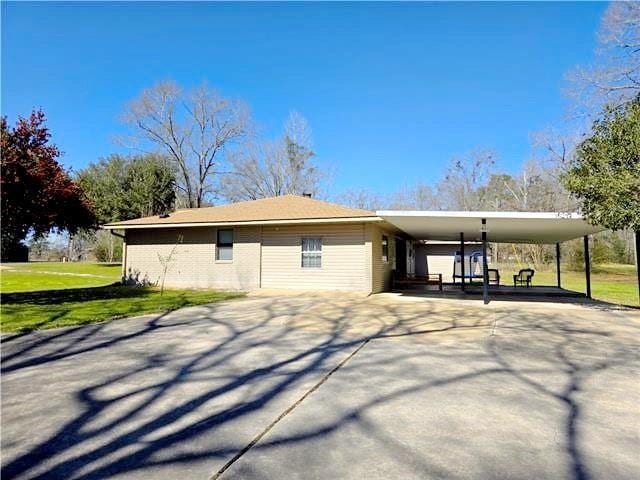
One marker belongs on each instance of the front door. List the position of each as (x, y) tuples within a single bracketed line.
[(411, 258), (401, 257)]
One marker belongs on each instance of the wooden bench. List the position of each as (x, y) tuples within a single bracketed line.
[(429, 279)]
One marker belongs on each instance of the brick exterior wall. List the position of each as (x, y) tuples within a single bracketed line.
[(194, 263)]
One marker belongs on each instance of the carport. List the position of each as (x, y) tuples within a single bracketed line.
[(497, 227)]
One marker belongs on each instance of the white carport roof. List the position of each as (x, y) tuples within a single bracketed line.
[(506, 227)]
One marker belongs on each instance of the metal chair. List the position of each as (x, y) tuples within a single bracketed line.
[(524, 277), (493, 276)]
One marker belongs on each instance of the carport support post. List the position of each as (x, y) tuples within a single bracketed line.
[(462, 258), (558, 264), (485, 276), (587, 265), (638, 260)]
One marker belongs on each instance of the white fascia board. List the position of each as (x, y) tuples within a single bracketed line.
[(232, 223), (444, 213)]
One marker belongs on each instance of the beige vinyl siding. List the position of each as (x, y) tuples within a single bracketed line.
[(344, 258), (381, 271), (442, 264), (265, 256), (193, 263), (436, 259), (440, 258)]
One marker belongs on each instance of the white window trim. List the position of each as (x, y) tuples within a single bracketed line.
[(311, 252), (233, 241), (384, 260)]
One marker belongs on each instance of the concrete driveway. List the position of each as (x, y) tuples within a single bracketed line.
[(329, 387)]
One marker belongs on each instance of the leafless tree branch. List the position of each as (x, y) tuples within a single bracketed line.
[(195, 128)]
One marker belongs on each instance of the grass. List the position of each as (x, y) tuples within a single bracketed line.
[(42, 295), (27, 311), (47, 294), (35, 276), (609, 282)]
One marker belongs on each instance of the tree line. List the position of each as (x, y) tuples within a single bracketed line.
[(196, 147), (590, 162)]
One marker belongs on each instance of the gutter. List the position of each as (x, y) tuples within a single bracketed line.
[(124, 252), (241, 223)]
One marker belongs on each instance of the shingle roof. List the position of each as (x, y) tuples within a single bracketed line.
[(286, 207)]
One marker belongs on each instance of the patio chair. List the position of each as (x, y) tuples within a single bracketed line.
[(524, 277), (493, 276)]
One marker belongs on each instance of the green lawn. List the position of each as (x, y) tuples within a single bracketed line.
[(47, 295), (609, 283), (26, 311), (34, 276), (43, 295)]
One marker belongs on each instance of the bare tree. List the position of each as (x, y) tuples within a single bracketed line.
[(552, 153), (194, 128), (534, 188), (274, 168), (361, 198), (460, 187), (418, 197), (553, 148), (166, 261), (614, 76)]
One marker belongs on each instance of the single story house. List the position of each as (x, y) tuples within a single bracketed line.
[(299, 242), (281, 242)]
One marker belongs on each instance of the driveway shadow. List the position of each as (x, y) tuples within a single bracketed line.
[(192, 391)]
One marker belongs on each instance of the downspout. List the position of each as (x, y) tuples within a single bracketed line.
[(124, 253)]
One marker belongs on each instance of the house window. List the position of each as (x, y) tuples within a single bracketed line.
[(224, 245), (385, 248), (311, 252)]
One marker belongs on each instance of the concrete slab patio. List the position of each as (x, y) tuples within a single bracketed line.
[(314, 386)]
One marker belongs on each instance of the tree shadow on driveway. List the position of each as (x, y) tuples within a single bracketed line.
[(189, 390)]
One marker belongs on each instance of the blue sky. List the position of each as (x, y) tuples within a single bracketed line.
[(391, 90)]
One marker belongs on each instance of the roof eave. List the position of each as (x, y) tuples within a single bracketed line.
[(129, 226), (477, 214)]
